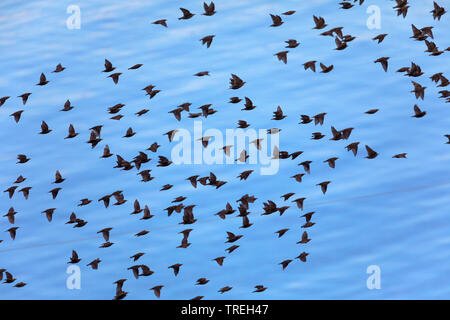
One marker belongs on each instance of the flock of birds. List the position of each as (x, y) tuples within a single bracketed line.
[(342, 42)]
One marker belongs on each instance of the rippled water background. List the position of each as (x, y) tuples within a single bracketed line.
[(407, 234)]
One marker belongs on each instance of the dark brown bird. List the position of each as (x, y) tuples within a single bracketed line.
[(3, 100), (108, 66), (380, 37), (22, 158), (308, 216), (42, 80), (371, 111), (232, 248), (371, 154), (245, 222), (49, 213), (54, 192), (334, 31), (188, 216), (245, 174), (17, 115), (259, 288), (438, 11), (166, 187), (285, 263), (326, 69), (419, 90), (10, 215), (278, 114), (292, 43), (346, 5), (219, 260), (26, 192), (207, 40), (129, 133), (24, 97), (400, 156), (106, 152), (319, 118), (186, 14), (84, 202), (44, 128), (193, 180), (232, 237), (147, 215), (384, 62), (340, 45), (74, 258), (225, 289), (105, 233), (202, 281), (20, 285), (282, 56), (235, 100), (136, 66), (94, 264), (146, 176), (317, 135), (276, 20), (12, 232), (171, 134), (298, 177), (72, 133), (299, 202), (162, 22), (142, 233), (67, 106), (302, 256), (176, 268), (9, 277), (72, 219), (418, 113), (319, 23), (115, 77), (11, 191), (281, 232), (137, 208), (353, 147), (145, 271), (58, 177), (209, 9), (20, 179), (154, 147), (305, 238), (324, 186), (106, 200), (137, 256), (242, 124), (310, 65), (59, 68), (331, 162), (289, 13), (448, 137), (157, 290), (305, 119), (202, 74), (236, 82)]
